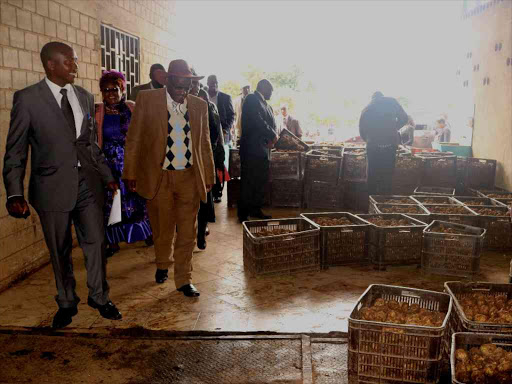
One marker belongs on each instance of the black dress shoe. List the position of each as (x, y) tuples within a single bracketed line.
[(149, 241), (108, 311), (217, 200), (189, 290), (201, 242), (63, 317), (260, 215), (161, 275)]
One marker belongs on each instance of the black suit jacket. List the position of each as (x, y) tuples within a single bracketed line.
[(38, 122), (258, 127), (226, 113), (381, 120)]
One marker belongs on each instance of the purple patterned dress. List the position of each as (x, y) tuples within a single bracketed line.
[(135, 225)]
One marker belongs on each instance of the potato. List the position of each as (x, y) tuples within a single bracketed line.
[(461, 355)]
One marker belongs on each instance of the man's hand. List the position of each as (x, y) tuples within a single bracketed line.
[(131, 185), (273, 142), (209, 187), (17, 207), (113, 186)]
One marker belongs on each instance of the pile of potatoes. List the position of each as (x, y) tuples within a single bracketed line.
[(272, 232), (382, 222), (331, 222), (487, 309), (487, 364), (391, 311)]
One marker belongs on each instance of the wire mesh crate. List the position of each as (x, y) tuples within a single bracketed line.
[(391, 199), (415, 211), (462, 167), (440, 171), (496, 220), (481, 173), (466, 341), (355, 196), (459, 291), (476, 201), (504, 202), (436, 200), (434, 191), (320, 195), (325, 166), (285, 165), (407, 173), (343, 243), (496, 193), (454, 213), (287, 193), (234, 163), (399, 244), (288, 141), (233, 192), (382, 352), (298, 251), (354, 164), (456, 254)]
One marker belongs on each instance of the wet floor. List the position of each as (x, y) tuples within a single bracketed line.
[(231, 300)]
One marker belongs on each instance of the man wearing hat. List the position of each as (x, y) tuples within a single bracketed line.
[(169, 162)]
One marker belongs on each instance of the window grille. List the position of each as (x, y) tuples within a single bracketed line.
[(120, 51)]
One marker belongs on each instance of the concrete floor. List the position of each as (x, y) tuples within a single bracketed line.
[(318, 302)]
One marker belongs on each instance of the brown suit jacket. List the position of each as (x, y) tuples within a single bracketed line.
[(146, 143)]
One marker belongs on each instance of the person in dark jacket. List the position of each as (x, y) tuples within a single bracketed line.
[(153, 84), (258, 137), (224, 105), (378, 126), (407, 132), (207, 210)]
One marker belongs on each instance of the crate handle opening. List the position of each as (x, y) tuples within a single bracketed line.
[(481, 289), (410, 294), (347, 231), (404, 231), (272, 223)]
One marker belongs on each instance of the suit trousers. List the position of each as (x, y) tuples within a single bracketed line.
[(87, 217), (381, 165), (176, 204), (254, 175)]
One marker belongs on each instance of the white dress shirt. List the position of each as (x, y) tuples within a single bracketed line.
[(73, 100)]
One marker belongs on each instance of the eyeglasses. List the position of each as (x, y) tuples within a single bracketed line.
[(110, 90)]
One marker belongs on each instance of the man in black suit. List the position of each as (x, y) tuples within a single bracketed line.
[(379, 125), (153, 84), (258, 137), (227, 117), (56, 120)]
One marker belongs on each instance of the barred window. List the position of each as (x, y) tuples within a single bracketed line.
[(120, 51)]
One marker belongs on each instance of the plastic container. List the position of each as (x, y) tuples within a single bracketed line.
[(481, 173), (325, 166), (459, 290), (461, 215), (354, 165), (341, 244), (397, 353), (398, 245), (476, 201), (434, 191), (355, 196), (466, 341), (287, 193), (281, 254), (285, 165), (415, 211), (436, 200), (320, 195), (439, 172), (452, 254), (288, 141), (499, 228), (393, 199)]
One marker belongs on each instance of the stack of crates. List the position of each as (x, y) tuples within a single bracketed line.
[(322, 179), (354, 180)]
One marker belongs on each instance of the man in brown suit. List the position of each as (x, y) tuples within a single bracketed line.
[(169, 162)]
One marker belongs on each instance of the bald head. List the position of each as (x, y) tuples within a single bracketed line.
[(265, 88), (51, 50)]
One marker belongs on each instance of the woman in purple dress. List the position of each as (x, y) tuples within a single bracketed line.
[(113, 118)]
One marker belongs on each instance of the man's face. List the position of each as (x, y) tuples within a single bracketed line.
[(246, 91), (267, 92), (178, 88), (194, 90), (441, 124), (284, 111), (63, 67), (213, 86)]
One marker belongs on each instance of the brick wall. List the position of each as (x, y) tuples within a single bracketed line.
[(25, 26)]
